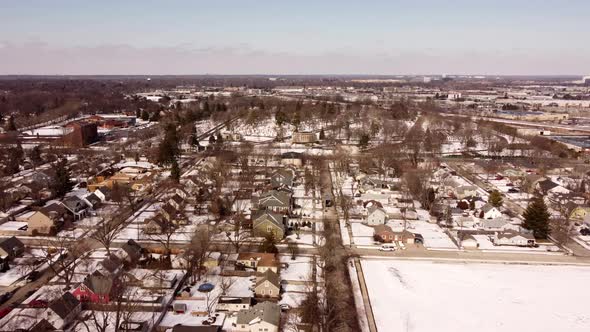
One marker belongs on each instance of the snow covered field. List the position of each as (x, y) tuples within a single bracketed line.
[(428, 296)]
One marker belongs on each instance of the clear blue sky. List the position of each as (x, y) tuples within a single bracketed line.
[(295, 37)]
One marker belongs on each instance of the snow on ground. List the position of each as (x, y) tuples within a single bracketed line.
[(358, 298), (434, 236), (299, 269), (486, 244), (477, 297)]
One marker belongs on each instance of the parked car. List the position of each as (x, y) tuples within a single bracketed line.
[(387, 247), (513, 190)]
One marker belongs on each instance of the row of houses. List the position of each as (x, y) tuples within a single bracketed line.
[(49, 219)]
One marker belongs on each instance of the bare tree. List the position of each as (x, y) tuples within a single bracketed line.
[(239, 233), (63, 256), (197, 251), (106, 232)]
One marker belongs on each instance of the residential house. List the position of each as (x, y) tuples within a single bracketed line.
[(265, 223), (463, 192), (104, 193), (376, 216), (168, 212), (578, 212), (258, 261), (383, 233), (372, 183), (404, 236), (178, 190), (268, 284), (275, 201), (469, 242), (76, 206), (513, 238), (264, 316), (155, 225), (494, 224), (233, 304), (47, 220), (304, 137), (176, 201), (95, 288), (11, 248), (549, 187), (282, 177), (130, 252), (93, 201), (110, 266), (62, 311), (489, 211), (292, 159)]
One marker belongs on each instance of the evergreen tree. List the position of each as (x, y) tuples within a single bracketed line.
[(322, 134), (212, 139), (219, 140), (168, 149), (536, 218), (35, 155), (138, 113), (61, 184), (145, 116), (496, 198), (11, 126), (364, 141), (175, 171)]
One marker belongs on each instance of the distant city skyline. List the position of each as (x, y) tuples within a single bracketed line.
[(502, 37)]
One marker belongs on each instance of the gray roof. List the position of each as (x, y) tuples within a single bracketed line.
[(547, 185), (98, 283), (269, 275), (261, 215), (274, 198), (9, 244), (512, 234), (265, 311), (494, 223), (64, 305), (74, 204)]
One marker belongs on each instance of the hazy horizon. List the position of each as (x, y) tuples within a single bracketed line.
[(304, 38)]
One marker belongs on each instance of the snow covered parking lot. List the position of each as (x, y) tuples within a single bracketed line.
[(427, 296)]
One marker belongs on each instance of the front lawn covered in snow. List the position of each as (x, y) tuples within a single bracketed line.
[(427, 296)]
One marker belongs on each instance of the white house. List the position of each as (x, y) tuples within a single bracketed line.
[(512, 238), (376, 216), (490, 212)]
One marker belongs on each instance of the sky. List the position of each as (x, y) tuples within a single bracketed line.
[(379, 37)]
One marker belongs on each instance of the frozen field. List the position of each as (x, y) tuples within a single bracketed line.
[(427, 296)]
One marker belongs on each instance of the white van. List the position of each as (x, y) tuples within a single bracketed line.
[(387, 247)]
